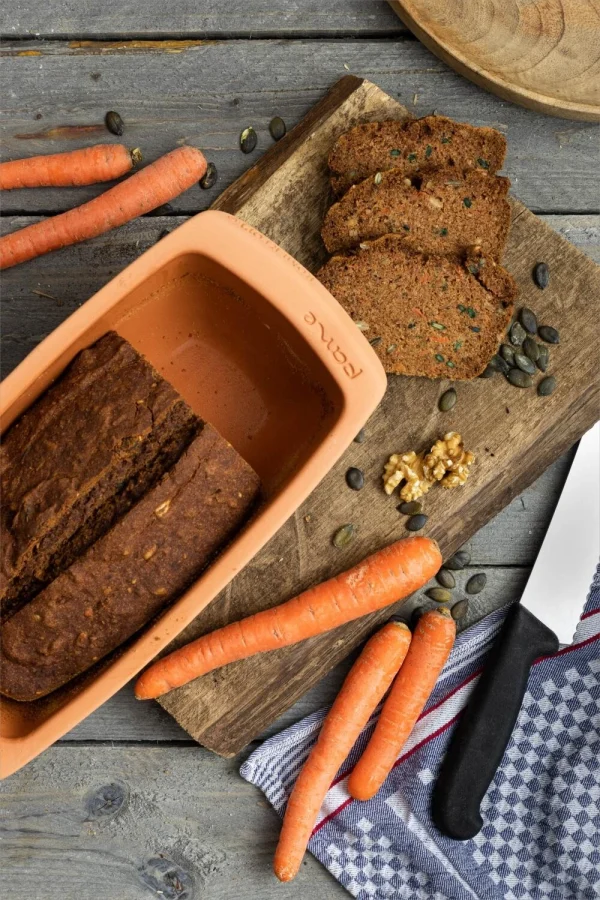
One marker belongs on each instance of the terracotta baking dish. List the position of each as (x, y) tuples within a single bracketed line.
[(257, 347)]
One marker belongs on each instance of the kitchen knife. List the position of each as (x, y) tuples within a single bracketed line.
[(546, 616)]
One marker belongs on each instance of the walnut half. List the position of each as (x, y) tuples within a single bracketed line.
[(447, 463)]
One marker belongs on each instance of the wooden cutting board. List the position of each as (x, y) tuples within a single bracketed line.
[(515, 434), (543, 54)]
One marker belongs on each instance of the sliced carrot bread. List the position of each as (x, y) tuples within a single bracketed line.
[(424, 315), (411, 145), (439, 214)]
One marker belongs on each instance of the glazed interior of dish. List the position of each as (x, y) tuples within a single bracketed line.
[(240, 365)]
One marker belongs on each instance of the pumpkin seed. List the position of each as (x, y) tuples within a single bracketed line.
[(375, 341), (508, 354), (446, 579), (517, 334), (277, 128), (447, 400), (528, 320), (460, 559), (499, 364), (519, 378), (378, 178), (546, 386), (440, 595), (543, 357), (114, 122), (415, 616), (488, 372), (360, 437), (343, 536), (549, 334), (355, 478), (531, 349), (476, 583), (248, 140), (460, 609), (362, 326), (210, 177), (541, 275), (415, 523), (524, 363), (391, 348), (410, 508)]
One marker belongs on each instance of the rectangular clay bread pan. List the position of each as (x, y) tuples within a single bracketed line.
[(258, 348)]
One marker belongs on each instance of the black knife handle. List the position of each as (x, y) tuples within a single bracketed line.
[(484, 729)]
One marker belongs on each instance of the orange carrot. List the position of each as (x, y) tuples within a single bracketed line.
[(389, 575), (366, 683), (103, 162), (158, 183), (430, 648)]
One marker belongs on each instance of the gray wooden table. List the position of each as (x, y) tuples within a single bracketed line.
[(126, 806)]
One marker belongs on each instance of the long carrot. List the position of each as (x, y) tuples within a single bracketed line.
[(430, 648), (103, 162), (158, 183), (366, 683), (388, 575)]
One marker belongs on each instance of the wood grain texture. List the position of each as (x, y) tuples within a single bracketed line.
[(515, 435), (543, 54), (103, 823), (185, 18), (206, 93)]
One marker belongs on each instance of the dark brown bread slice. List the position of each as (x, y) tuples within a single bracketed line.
[(412, 145), (81, 455), (440, 214), (434, 316), (128, 576)]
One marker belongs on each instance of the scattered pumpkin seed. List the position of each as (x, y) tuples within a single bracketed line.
[(440, 595), (343, 536), (519, 378), (460, 609), (114, 122), (248, 140), (460, 559), (508, 354), (543, 357), (541, 275), (531, 349), (410, 508), (517, 334), (355, 478), (524, 363), (447, 400), (499, 364), (546, 386), (415, 616), (476, 583), (415, 523), (210, 177), (528, 320), (549, 334), (277, 128), (446, 579), (488, 372), (378, 178), (360, 437)]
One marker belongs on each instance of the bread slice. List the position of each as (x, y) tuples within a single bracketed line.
[(439, 214), (412, 145), (424, 315)]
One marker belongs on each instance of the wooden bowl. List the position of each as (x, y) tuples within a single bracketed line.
[(257, 347)]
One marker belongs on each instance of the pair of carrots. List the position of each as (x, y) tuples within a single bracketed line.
[(383, 578), (148, 189)]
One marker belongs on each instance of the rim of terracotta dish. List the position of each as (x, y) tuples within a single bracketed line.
[(355, 368)]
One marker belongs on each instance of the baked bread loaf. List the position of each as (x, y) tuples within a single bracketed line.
[(80, 456), (148, 558), (411, 145), (440, 214), (424, 315)]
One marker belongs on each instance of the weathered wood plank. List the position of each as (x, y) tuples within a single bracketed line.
[(205, 93), (101, 823), (253, 18), (124, 718), (68, 278)]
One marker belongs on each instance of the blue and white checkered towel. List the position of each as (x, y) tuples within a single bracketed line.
[(541, 834)]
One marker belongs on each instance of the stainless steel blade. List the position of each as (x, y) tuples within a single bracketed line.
[(563, 571)]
